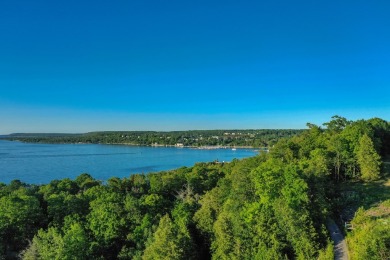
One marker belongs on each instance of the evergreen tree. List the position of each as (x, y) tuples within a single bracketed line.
[(166, 242), (368, 159)]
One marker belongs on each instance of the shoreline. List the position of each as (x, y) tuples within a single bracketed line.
[(203, 147)]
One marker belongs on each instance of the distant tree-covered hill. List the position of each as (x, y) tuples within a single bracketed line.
[(196, 138), (40, 135)]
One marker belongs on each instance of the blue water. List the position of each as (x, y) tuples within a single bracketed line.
[(41, 163)]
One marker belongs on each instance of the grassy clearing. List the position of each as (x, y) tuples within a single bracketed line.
[(354, 195)]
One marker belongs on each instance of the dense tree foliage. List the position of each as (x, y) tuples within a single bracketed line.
[(271, 206), (196, 138), (370, 237)]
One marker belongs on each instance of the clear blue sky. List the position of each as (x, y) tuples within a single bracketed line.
[(77, 66)]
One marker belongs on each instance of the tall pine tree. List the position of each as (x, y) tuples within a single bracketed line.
[(368, 159)]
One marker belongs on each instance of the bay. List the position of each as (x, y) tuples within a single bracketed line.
[(42, 163)]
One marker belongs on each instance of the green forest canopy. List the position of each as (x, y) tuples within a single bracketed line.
[(270, 206)]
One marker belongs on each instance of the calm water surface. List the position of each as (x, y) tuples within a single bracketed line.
[(41, 163)]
